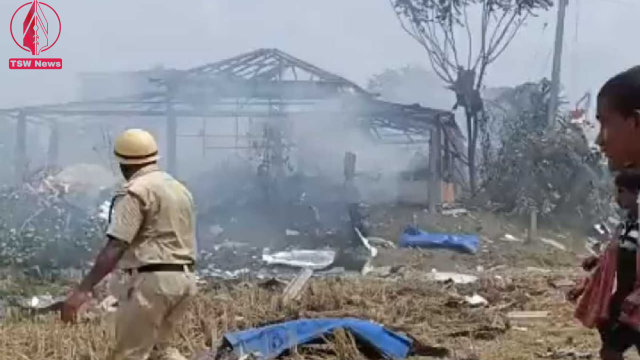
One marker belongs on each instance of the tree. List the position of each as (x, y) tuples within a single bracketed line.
[(410, 84), (439, 25), (554, 172)]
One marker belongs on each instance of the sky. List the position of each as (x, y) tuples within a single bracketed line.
[(353, 38)]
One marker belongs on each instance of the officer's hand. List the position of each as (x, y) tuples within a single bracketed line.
[(74, 302)]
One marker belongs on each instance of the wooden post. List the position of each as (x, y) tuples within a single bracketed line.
[(533, 225), (349, 166), (435, 154), (20, 156)]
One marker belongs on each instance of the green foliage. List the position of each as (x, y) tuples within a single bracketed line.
[(554, 172)]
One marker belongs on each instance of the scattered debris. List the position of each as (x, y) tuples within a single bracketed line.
[(312, 259), (451, 277), (382, 271), (454, 212), (553, 243), (380, 242), (511, 238), (288, 335), (295, 287), (414, 237), (365, 241), (476, 300)]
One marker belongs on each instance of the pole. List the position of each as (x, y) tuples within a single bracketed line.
[(557, 63)]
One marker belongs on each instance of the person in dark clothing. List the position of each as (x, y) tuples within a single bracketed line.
[(618, 112), (617, 337)]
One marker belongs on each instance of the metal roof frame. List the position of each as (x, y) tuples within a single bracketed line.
[(264, 83)]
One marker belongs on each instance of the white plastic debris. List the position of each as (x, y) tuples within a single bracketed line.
[(476, 300), (553, 243), (380, 242), (449, 276), (511, 238), (454, 212), (311, 259), (372, 250)]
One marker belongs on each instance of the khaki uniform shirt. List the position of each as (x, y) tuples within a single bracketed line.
[(155, 215)]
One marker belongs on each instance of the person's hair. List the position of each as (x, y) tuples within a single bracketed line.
[(622, 91), (628, 180)]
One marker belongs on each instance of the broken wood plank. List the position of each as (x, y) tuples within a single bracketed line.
[(553, 243), (527, 316), (293, 290)]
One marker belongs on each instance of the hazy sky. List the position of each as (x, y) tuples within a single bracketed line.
[(354, 38)]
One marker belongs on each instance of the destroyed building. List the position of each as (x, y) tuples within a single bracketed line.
[(242, 133)]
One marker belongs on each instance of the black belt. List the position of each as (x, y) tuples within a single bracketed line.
[(162, 268)]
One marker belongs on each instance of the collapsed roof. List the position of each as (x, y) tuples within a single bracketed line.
[(266, 83)]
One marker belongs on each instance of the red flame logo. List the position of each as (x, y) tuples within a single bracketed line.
[(35, 28)]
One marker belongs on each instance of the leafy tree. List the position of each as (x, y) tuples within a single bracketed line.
[(556, 173), (439, 25)]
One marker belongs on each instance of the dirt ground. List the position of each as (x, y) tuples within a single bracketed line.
[(513, 276)]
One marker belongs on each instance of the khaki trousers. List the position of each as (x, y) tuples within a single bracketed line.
[(150, 307)]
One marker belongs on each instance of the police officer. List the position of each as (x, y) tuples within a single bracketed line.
[(151, 238)]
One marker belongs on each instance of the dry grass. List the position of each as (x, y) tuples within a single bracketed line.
[(425, 311)]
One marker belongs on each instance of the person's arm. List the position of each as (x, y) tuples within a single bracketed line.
[(125, 224), (105, 263)]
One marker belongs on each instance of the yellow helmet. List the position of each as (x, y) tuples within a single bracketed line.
[(135, 147)]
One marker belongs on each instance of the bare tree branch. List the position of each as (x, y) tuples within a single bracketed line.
[(469, 38), (506, 43)]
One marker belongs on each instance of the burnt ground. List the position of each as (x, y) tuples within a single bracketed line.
[(513, 276)]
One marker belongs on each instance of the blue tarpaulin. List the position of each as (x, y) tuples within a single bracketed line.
[(273, 340), (414, 237)]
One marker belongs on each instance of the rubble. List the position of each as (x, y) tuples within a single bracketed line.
[(293, 289), (311, 259), (554, 244), (453, 277), (454, 212), (476, 300), (45, 224)]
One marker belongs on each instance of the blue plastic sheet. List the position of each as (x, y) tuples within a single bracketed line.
[(273, 340), (414, 237)]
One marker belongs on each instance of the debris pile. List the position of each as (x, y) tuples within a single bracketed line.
[(41, 229)]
